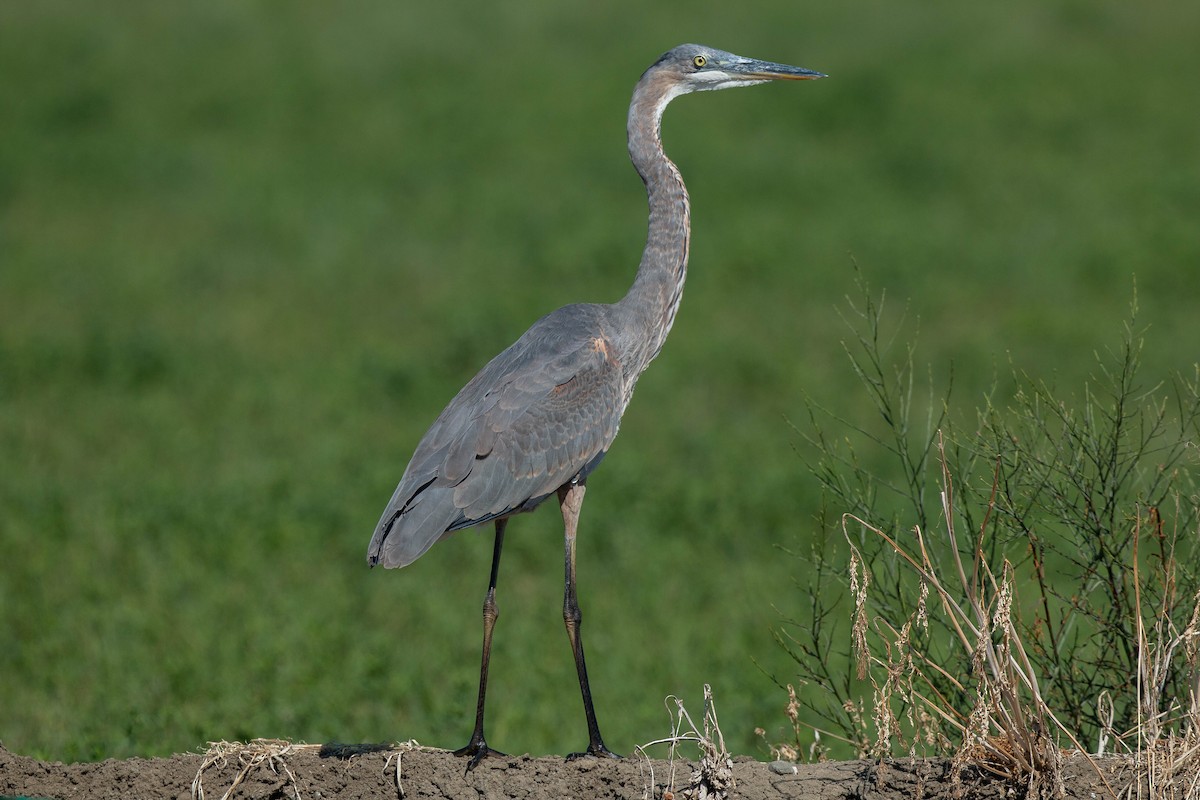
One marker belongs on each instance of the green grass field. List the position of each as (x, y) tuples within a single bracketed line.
[(248, 251)]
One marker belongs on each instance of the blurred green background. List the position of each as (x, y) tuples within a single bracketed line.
[(249, 250)]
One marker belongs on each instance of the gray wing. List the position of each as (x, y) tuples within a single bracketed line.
[(539, 414)]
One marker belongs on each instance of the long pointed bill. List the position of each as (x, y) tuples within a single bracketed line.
[(766, 70)]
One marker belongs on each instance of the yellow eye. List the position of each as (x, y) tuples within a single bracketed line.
[(699, 61)]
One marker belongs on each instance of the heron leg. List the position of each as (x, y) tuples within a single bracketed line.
[(570, 499), (478, 748)]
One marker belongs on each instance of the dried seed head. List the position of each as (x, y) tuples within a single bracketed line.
[(859, 580)]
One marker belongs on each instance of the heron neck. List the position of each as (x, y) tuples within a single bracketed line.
[(653, 300)]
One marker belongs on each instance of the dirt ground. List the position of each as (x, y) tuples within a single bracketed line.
[(279, 770)]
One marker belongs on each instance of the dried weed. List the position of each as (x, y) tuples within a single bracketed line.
[(273, 753), (1007, 728), (712, 777)]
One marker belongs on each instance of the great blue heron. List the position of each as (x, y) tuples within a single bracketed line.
[(539, 417)]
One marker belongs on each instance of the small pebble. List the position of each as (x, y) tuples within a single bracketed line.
[(782, 768)]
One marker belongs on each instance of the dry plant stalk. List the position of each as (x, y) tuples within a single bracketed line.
[(1167, 738), (397, 753), (712, 778)]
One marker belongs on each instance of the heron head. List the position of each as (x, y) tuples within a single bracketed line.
[(695, 68)]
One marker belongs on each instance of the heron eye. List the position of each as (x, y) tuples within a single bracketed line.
[(699, 61)]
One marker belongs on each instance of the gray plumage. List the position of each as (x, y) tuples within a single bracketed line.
[(540, 416)]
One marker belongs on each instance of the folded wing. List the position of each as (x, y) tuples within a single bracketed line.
[(540, 414)]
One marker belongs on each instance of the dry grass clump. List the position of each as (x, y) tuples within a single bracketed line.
[(269, 753), (1165, 743), (273, 754), (712, 777)]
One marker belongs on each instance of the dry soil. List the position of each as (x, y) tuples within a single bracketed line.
[(280, 770)]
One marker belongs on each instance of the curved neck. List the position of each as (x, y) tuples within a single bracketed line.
[(653, 299)]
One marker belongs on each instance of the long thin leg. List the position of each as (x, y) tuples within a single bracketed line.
[(478, 748), (570, 499)]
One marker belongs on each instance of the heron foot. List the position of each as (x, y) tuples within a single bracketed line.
[(595, 750), (477, 749)]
